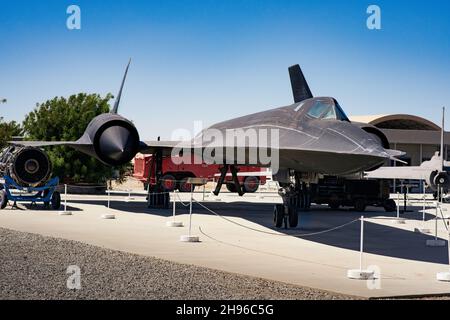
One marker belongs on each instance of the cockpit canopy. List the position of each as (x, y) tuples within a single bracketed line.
[(323, 108)]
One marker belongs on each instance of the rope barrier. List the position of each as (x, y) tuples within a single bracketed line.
[(181, 201), (443, 218), (267, 252), (274, 233)]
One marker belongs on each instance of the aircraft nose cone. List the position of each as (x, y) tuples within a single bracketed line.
[(115, 143)]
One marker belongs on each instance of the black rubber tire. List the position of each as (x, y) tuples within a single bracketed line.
[(278, 215), (293, 217), (56, 200), (166, 178), (360, 205), (3, 199), (184, 186), (441, 179), (231, 187), (390, 205), (251, 184)]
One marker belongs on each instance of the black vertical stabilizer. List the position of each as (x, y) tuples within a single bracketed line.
[(300, 87), (115, 109)]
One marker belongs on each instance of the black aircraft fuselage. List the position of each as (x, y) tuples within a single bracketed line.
[(316, 136)]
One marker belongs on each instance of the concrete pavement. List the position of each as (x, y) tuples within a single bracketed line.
[(249, 245)]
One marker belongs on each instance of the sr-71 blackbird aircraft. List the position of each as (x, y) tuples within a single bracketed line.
[(314, 137)]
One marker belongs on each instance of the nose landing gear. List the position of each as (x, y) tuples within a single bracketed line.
[(285, 215), (296, 197)]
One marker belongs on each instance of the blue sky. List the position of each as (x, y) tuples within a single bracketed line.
[(212, 60)]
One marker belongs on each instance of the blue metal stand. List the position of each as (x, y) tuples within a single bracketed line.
[(42, 194)]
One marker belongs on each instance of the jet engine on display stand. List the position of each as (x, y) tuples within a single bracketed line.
[(26, 172)]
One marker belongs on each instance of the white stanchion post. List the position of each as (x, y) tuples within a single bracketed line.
[(361, 274), (361, 244), (190, 214), (407, 197), (65, 197), (129, 198), (436, 222), (398, 220), (65, 212), (190, 237), (398, 205), (423, 229), (108, 216), (174, 223), (424, 207), (436, 242)]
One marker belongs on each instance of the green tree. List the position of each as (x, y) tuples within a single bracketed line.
[(62, 119), (7, 131)]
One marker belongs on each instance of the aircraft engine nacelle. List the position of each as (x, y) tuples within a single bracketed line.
[(110, 138), (437, 178), (27, 166), (377, 135)]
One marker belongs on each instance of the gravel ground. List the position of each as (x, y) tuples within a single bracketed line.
[(34, 267)]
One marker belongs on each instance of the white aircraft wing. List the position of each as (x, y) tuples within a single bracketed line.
[(413, 173)]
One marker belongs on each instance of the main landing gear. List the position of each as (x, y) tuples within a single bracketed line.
[(296, 197)]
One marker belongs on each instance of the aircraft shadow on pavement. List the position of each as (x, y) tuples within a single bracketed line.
[(385, 240), (381, 239)]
